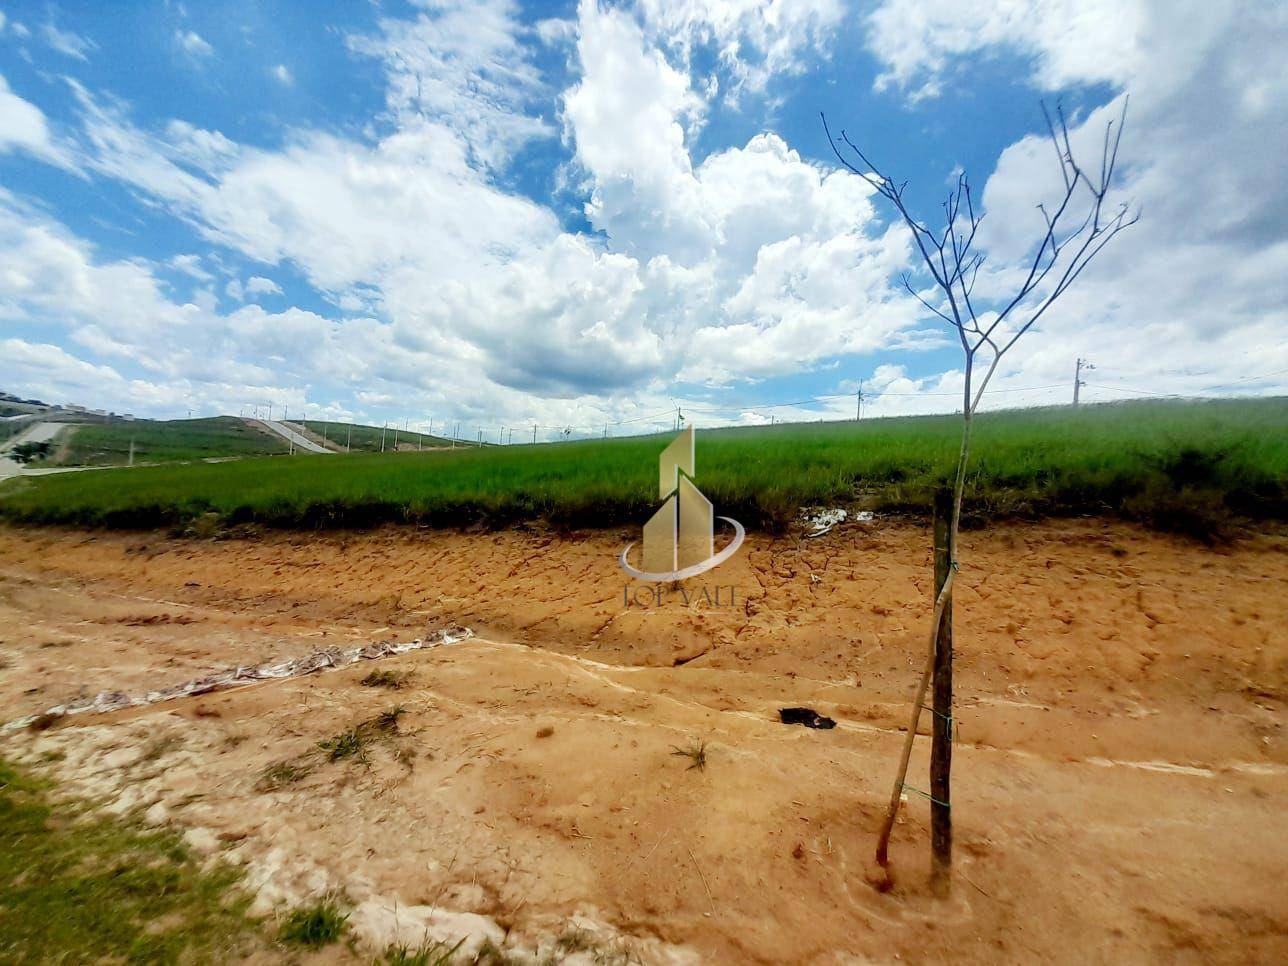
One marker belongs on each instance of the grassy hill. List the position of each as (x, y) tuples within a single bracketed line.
[(161, 441), (366, 439), (1173, 464)]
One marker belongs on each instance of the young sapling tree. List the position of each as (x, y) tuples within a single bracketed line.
[(1075, 229)]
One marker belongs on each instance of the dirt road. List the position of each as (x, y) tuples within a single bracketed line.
[(290, 434), (1119, 777)]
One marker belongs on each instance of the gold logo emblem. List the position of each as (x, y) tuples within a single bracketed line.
[(679, 539)]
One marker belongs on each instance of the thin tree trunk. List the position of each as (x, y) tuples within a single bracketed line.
[(941, 602), (941, 733)]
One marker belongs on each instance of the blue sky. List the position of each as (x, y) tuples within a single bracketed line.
[(503, 214)]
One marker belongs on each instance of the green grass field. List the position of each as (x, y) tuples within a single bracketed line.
[(1172, 464), (366, 439), (76, 887), (162, 441)]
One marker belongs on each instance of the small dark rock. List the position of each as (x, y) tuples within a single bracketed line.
[(43, 722), (804, 716)]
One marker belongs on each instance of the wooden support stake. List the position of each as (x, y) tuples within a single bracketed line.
[(941, 747)]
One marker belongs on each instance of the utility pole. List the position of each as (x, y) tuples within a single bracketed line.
[(858, 409), (348, 440), (382, 435), (131, 463), (534, 434), (1077, 377)]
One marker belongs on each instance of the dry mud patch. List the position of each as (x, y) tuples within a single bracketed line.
[(1118, 789)]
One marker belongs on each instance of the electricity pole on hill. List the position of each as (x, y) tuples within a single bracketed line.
[(858, 403), (1077, 377)]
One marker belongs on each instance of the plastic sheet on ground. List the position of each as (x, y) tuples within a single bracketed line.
[(327, 659), (820, 520)]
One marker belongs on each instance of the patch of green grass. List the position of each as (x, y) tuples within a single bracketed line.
[(163, 441), (1132, 459), (351, 743), (393, 680), (314, 926), (367, 439), (75, 888), (696, 752), (387, 721)]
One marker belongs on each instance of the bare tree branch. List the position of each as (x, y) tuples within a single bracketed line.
[(1072, 236)]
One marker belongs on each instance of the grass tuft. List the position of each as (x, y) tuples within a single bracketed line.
[(351, 743), (428, 954), (314, 926), (393, 680), (282, 773), (387, 721), (696, 752)]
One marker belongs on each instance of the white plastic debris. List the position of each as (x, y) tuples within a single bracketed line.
[(820, 520), (329, 658)]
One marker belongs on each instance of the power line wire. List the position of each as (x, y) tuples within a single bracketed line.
[(665, 416)]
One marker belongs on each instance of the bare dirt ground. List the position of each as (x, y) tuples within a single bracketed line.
[(1119, 777)]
